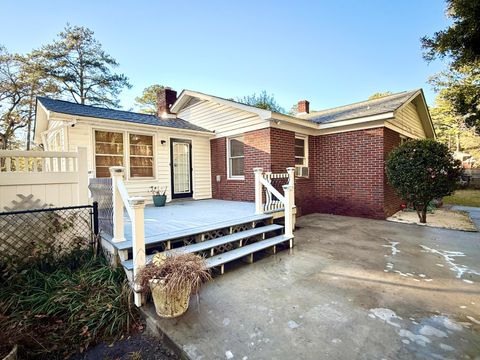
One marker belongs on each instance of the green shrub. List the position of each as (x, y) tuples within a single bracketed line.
[(422, 170), (52, 311)]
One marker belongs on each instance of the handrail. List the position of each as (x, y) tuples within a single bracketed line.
[(126, 200), (135, 208), (288, 199), (272, 190)]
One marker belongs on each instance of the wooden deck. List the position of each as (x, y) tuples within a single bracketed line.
[(192, 216)]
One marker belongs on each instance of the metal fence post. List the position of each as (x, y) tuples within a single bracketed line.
[(95, 217)]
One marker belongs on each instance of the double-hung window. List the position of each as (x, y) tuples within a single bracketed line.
[(235, 154), (108, 152), (141, 156)]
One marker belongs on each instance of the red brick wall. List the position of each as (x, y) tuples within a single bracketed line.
[(391, 201), (349, 173), (257, 154), (283, 156), (346, 170)]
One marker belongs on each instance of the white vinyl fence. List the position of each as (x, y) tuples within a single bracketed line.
[(35, 179)]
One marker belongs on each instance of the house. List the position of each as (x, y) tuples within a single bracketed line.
[(202, 146)]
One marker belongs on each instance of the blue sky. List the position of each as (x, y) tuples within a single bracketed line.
[(329, 52)]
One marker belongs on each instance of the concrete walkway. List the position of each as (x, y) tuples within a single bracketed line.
[(350, 289), (474, 213)]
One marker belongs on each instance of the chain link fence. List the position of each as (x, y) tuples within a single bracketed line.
[(52, 232), (101, 190)]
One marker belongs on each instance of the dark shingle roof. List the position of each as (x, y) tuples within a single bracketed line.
[(70, 108), (357, 110)]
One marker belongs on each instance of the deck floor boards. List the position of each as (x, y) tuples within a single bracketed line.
[(178, 216)]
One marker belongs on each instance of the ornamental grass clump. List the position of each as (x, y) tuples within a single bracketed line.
[(54, 311), (171, 279)]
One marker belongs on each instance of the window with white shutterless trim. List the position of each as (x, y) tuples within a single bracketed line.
[(235, 158), (109, 151), (301, 155), (141, 155)]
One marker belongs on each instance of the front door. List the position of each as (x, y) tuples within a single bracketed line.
[(181, 167)]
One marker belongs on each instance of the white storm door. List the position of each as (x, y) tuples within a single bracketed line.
[(181, 169)]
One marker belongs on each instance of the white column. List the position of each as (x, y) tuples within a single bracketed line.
[(258, 191), (116, 173), (288, 191), (291, 181), (82, 171), (138, 242)]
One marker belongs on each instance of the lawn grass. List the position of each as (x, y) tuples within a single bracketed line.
[(465, 197)]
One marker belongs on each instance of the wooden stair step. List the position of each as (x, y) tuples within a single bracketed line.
[(163, 237), (205, 245), (240, 252)]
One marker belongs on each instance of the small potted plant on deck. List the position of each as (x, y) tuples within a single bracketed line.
[(158, 196), (171, 279)]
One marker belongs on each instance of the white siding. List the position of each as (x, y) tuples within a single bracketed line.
[(408, 120), (224, 120), (83, 135)]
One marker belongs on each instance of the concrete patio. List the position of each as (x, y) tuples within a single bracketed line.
[(350, 289)]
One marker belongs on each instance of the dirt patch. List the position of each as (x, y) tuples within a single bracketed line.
[(442, 218)]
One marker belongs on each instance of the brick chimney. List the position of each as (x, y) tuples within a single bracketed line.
[(165, 99), (303, 107)]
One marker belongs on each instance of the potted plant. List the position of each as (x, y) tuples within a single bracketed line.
[(158, 196), (12, 355), (171, 279)]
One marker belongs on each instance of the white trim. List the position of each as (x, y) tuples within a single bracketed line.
[(340, 123), (229, 176), (154, 157), (305, 148), (191, 160), (126, 152), (354, 127)]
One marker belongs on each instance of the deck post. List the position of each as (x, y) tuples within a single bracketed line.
[(288, 191), (258, 191), (291, 181), (138, 242), (116, 173)]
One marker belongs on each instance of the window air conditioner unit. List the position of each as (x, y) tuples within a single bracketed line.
[(301, 171)]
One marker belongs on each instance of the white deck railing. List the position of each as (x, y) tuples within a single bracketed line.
[(45, 174), (274, 201), (135, 209)]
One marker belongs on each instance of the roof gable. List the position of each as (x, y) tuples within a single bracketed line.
[(186, 96)]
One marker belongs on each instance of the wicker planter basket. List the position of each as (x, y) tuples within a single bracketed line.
[(12, 355), (168, 306)]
